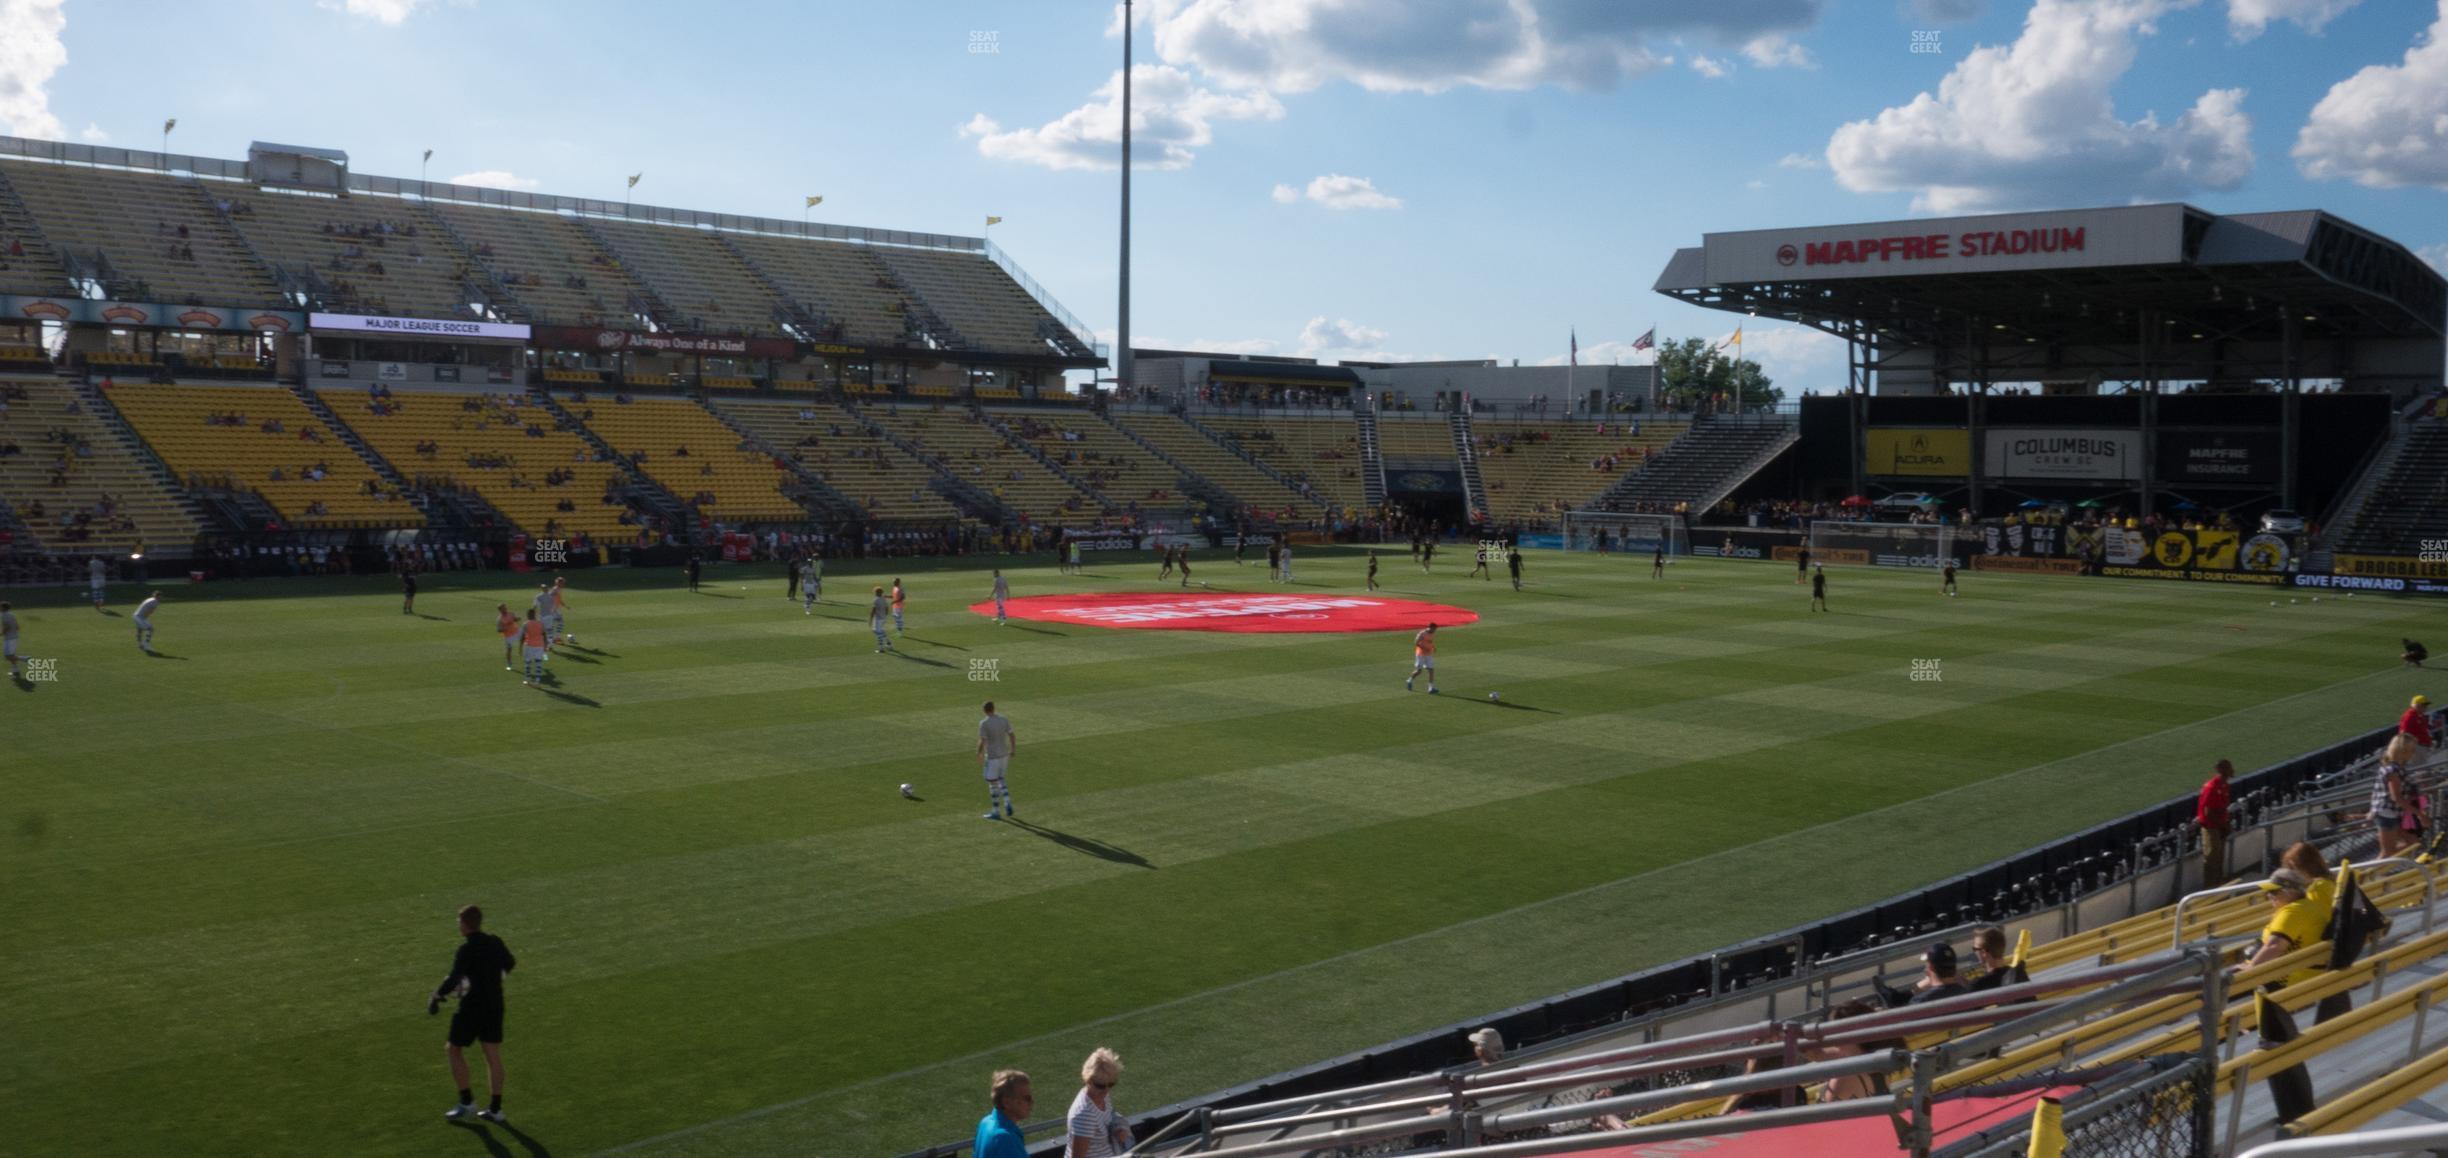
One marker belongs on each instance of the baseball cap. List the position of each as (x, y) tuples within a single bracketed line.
[(1940, 956), (2287, 879), (2422, 701)]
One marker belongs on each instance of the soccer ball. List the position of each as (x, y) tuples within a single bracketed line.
[(1492, 697), (1202, 583), (910, 792)]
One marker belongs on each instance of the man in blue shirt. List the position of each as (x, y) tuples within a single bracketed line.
[(998, 1133)]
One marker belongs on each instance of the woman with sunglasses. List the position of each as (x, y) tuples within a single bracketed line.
[(1097, 1129)]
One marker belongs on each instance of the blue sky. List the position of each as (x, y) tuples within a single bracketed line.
[(1342, 178)]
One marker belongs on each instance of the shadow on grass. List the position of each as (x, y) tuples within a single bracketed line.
[(1083, 844), (1037, 630), (493, 1145), (571, 654), (717, 595), (1511, 706), (434, 618), (899, 654), (165, 655), (23, 684), (932, 643), (570, 697), (569, 646), (108, 612)]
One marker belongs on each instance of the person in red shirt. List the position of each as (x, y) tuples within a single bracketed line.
[(2416, 722), (2211, 813)]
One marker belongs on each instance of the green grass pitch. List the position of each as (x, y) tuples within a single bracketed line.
[(230, 871)]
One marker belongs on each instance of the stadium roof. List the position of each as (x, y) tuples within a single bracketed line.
[(2077, 277)]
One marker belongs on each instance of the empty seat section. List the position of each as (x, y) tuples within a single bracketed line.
[(132, 221), (972, 450), (974, 296), (1119, 469), (263, 439), (375, 255), (1537, 470), (703, 283), (853, 460), (49, 483), (690, 453), (1323, 452), (1186, 445), (550, 265), (502, 447), (843, 282)]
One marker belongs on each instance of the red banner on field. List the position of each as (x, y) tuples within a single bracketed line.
[(1216, 611)]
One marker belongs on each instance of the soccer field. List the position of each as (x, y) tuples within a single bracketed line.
[(231, 869)]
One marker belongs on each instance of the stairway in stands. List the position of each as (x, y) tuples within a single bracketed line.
[(1474, 488), (1372, 462), (1701, 468), (2405, 504)]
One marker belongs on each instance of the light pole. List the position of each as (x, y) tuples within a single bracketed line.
[(1122, 346), (423, 192), (167, 125)]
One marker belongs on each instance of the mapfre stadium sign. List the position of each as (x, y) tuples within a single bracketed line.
[(2135, 235)]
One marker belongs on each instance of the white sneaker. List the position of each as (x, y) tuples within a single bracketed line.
[(492, 1115), (461, 1112)]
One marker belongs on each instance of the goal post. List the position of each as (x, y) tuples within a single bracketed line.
[(1882, 544), (1625, 533)]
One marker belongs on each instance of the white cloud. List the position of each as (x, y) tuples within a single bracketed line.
[(1943, 11), (1243, 346), (1800, 161), (1796, 358), (2386, 125), (389, 12), (1170, 116), (2247, 18), (93, 133), (30, 52), (1755, 183), (1775, 51), (1113, 24), (2033, 123), (1342, 335), (2437, 255), (1435, 45), (1710, 67), (495, 179), (1336, 191)]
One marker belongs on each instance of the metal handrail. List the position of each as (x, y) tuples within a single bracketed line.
[(1354, 1093), (2393, 1141), (1874, 1107), (1883, 1061)]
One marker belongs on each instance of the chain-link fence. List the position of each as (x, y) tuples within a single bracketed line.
[(2164, 1111)]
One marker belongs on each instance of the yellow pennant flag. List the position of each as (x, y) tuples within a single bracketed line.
[(2048, 1138), (2022, 948), (994, 221), (633, 178), (813, 202)]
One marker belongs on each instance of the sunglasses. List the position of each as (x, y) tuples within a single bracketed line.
[(1100, 1085)]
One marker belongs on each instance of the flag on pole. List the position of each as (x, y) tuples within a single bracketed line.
[(633, 178), (2048, 1138), (1735, 341), (168, 125), (1645, 341), (429, 154), (812, 201), (1576, 347), (993, 220)]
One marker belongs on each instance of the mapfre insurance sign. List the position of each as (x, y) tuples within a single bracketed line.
[(2135, 235)]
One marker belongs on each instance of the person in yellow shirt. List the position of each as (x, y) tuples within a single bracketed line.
[(2296, 920)]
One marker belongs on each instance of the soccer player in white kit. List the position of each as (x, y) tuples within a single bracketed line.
[(560, 606), (8, 638), (876, 613), (1002, 591), (996, 743), (95, 572), (546, 615), (1285, 561), (808, 583), (144, 622), (813, 568)]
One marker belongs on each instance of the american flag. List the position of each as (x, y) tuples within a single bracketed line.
[(1645, 341)]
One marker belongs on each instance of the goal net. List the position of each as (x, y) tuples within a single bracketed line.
[(1881, 544), (1628, 534)]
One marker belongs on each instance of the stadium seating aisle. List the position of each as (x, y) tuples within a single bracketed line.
[(694, 275), (1535, 470), (502, 447), (33, 453), (843, 282), (690, 453), (264, 439), (851, 459), (1324, 452), (550, 265), (981, 457), (2410, 503), (27, 264), (154, 230), (371, 254), (1184, 444), (1121, 470), (974, 296)]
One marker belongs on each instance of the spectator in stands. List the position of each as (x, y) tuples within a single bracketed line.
[(1487, 1045), (2305, 857), (2211, 811), (998, 1133), (1853, 1086), (2396, 808), (2296, 920), (1939, 980), (2416, 722), (1989, 948), (1097, 1130)]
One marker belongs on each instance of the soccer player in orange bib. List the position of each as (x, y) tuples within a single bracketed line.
[(897, 598), (1423, 658), (533, 635), (508, 625)]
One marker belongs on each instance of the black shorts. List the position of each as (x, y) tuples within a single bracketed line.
[(474, 1023)]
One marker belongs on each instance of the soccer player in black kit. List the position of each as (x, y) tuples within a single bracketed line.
[(1657, 563), (790, 582), (1801, 564), (476, 977), (407, 590), (694, 568), (1946, 577), (1819, 590), (1372, 570), (1513, 564)]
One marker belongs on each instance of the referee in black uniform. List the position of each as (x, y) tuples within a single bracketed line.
[(476, 977), (695, 568), (790, 588)]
